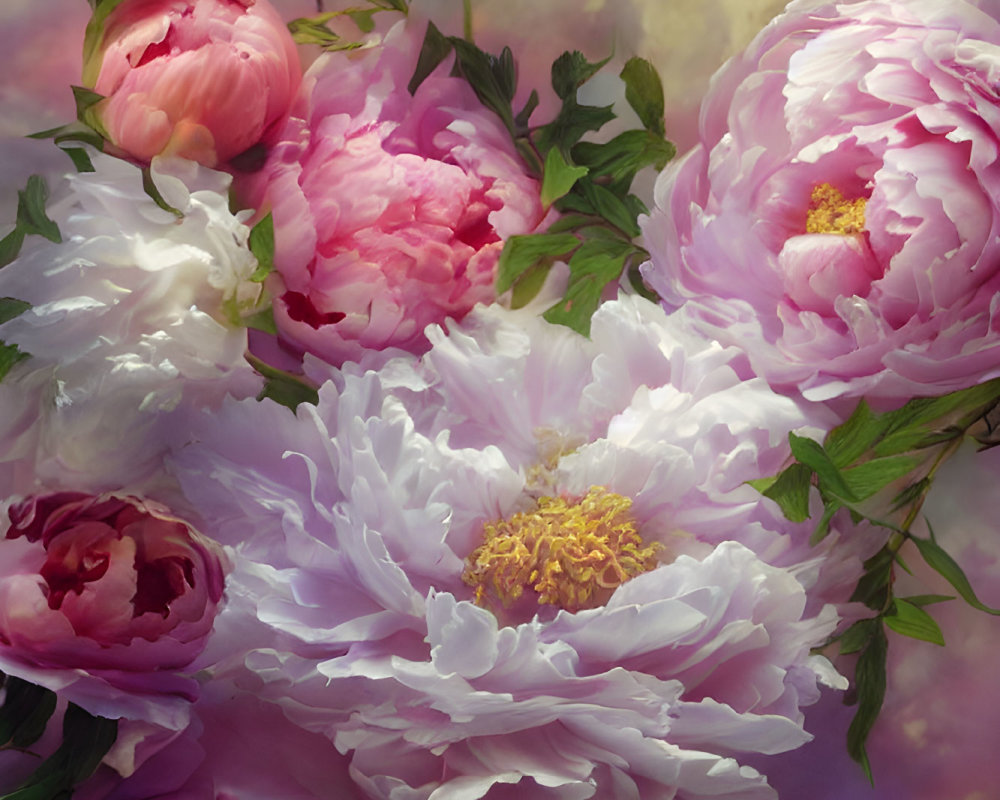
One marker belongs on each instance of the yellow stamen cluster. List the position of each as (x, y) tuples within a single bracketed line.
[(831, 212), (572, 554)]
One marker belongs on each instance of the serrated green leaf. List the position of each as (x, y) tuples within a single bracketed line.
[(928, 599), (311, 30), (569, 222), (10, 355), (644, 92), (571, 70), (910, 620), (942, 563), (491, 78), (11, 307), (856, 637), (262, 246), (150, 188), (622, 157), (911, 494), (559, 177), (590, 198), (790, 490), (871, 477), (812, 454), (31, 214), (10, 246), (870, 677), (592, 267), (572, 122), (434, 50), (520, 253)]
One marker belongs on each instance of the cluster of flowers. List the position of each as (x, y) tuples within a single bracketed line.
[(482, 555)]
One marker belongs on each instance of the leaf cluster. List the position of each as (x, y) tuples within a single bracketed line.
[(870, 465), (31, 219), (589, 183), (316, 29), (24, 715)]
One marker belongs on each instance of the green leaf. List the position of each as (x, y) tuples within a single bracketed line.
[(823, 526), (10, 246), (942, 563), (910, 620), (638, 284), (558, 177), (262, 247), (846, 443), (626, 154), (592, 267), (150, 188), (873, 586), (282, 387), (572, 122), (434, 50), (790, 490), (85, 99), (363, 19), (86, 740), (590, 198), (812, 454), (11, 307), (571, 70), (524, 115), (262, 321), (26, 710), (870, 677), (80, 158), (491, 78), (856, 637), (872, 476), (529, 285), (644, 92), (520, 253), (9, 356), (31, 216), (928, 599)]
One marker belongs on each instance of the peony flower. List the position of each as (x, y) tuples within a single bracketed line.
[(390, 211), (410, 502), (131, 316), (200, 79), (839, 217), (102, 599)]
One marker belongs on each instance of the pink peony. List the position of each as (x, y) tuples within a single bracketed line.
[(840, 217), (390, 211), (104, 590), (202, 79)]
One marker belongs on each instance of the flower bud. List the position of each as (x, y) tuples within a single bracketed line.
[(202, 79)]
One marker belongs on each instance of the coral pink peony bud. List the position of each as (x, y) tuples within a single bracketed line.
[(105, 583), (202, 79)]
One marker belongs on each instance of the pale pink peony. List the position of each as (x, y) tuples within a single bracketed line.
[(390, 211), (202, 79), (840, 217), (102, 597)]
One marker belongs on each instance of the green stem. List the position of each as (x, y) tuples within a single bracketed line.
[(467, 20)]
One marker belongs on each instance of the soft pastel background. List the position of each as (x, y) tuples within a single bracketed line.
[(938, 732)]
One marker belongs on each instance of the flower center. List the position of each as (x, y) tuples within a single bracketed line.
[(572, 554), (831, 212)]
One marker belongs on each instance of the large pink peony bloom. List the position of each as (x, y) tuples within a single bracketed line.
[(390, 211), (840, 217), (102, 597), (202, 79)]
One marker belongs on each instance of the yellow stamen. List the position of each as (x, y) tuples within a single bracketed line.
[(572, 554), (831, 212)]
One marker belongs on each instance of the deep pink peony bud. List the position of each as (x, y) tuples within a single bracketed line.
[(202, 79), (105, 583)]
